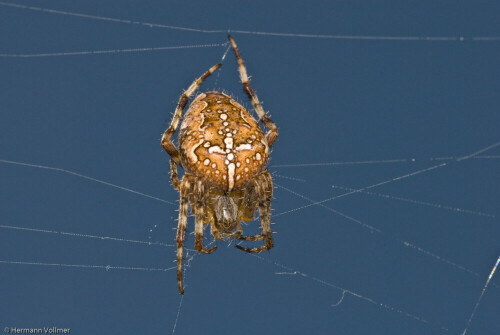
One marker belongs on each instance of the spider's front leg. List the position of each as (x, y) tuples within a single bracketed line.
[(272, 135), (199, 198), (264, 189), (166, 139)]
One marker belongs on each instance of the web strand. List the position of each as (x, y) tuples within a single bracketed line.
[(411, 174), (86, 177), (111, 51), (417, 202), (292, 271), (178, 313), (383, 161), (187, 264), (274, 174), (454, 158), (478, 152), (481, 296), (249, 32), (105, 267), (373, 229), (222, 61), (363, 189), (109, 238)]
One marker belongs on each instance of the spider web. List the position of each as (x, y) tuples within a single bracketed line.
[(385, 211)]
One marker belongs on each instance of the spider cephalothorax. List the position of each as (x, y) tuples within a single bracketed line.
[(224, 154)]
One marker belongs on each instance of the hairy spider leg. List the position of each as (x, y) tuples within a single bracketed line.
[(265, 194), (199, 210), (273, 130), (174, 177), (238, 232), (185, 187), (167, 135)]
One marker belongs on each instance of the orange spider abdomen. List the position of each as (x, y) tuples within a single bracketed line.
[(221, 143)]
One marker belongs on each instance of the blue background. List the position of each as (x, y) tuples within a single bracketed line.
[(334, 100)]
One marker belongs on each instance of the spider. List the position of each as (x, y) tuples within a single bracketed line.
[(224, 154)]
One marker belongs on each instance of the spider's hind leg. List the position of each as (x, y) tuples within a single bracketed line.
[(199, 209), (266, 234), (185, 186), (264, 189)]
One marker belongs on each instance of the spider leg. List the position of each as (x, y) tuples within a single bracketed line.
[(174, 177), (273, 130), (238, 232), (266, 235), (252, 196), (167, 135), (257, 237), (199, 218), (181, 227), (214, 231), (265, 195)]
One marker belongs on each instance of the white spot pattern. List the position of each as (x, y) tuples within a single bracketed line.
[(230, 175), (228, 141), (191, 154), (216, 149), (244, 146)]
